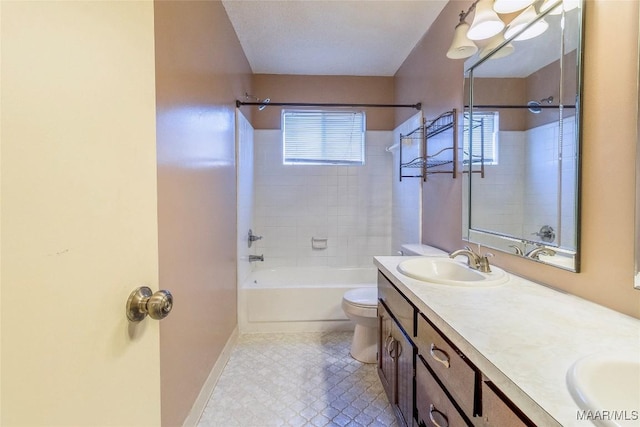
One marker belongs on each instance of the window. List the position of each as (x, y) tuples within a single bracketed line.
[(484, 133), (323, 137)]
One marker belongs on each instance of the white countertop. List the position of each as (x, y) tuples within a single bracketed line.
[(522, 336)]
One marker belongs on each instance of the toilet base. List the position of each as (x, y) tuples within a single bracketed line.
[(364, 346)]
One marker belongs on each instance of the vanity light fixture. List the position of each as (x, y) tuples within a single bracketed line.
[(510, 6), (461, 47), (493, 43), (524, 19), (486, 22)]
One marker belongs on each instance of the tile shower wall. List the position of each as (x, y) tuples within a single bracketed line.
[(407, 194), (541, 188), (501, 189), (350, 206), (528, 197), (244, 140)]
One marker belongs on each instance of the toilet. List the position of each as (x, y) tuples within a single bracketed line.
[(361, 306), (419, 249)]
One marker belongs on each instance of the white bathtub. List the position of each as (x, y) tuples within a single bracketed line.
[(298, 298)]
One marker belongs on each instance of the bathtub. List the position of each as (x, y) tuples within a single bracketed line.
[(298, 299)]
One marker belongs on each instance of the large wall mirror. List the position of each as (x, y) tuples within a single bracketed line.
[(521, 140)]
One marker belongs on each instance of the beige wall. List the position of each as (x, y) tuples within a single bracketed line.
[(324, 89), (608, 157), (200, 71)]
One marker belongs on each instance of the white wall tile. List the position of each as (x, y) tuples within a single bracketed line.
[(338, 202)]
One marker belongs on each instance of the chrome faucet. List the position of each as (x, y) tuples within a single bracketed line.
[(540, 250), (517, 250), (474, 261), (252, 237), (253, 258)]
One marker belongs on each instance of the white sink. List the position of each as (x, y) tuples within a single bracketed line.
[(608, 382), (447, 271)]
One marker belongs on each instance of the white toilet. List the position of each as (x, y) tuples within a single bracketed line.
[(361, 306), (418, 249)]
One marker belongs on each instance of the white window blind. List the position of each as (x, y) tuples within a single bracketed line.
[(323, 137), (480, 139)]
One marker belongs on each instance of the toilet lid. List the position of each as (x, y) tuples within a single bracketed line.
[(363, 297)]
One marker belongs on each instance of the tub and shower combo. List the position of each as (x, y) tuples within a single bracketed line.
[(299, 299), (305, 299)]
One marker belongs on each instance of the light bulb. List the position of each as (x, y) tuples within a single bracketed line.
[(522, 21), (510, 6), (486, 22), (461, 47)]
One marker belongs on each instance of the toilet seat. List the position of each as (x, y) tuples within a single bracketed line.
[(362, 297)]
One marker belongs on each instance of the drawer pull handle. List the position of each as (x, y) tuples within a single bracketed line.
[(387, 343), (445, 361), (398, 349), (442, 418)]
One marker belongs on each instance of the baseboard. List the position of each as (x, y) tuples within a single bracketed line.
[(318, 326), (205, 393)]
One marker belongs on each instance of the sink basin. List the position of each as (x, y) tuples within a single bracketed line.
[(447, 271), (607, 382)]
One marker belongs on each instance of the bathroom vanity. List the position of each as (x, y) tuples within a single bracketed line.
[(488, 356)]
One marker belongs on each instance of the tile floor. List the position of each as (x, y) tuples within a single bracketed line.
[(297, 379)]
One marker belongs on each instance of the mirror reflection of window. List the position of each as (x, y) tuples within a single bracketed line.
[(480, 138)]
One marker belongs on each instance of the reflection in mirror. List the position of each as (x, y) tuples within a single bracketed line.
[(521, 143)]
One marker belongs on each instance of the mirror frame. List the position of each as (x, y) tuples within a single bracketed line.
[(570, 260), (636, 271)]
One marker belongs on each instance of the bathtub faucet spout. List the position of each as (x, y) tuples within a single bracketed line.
[(253, 258)]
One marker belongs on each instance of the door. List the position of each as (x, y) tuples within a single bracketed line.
[(78, 213)]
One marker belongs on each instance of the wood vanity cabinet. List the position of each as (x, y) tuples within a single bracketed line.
[(427, 379), (497, 410), (396, 354)]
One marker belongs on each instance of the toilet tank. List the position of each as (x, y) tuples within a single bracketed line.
[(418, 249)]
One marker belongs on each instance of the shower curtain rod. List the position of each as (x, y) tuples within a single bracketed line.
[(239, 104), (520, 106)]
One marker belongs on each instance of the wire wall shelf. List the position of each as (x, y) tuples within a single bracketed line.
[(432, 163)]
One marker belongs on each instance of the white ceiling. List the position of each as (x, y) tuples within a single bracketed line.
[(330, 37)]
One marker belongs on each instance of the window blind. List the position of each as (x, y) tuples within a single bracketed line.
[(481, 133), (323, 137)]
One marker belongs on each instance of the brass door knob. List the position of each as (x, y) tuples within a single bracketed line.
[(142, 301)]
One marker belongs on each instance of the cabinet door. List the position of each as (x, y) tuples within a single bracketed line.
[(497, 412), (386, 364), (404, 354)]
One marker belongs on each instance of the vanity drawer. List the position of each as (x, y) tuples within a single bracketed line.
[(398, 305), (497, 410), (432, 404), (451, 368)]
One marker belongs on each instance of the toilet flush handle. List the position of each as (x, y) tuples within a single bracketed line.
[(142, 301)]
